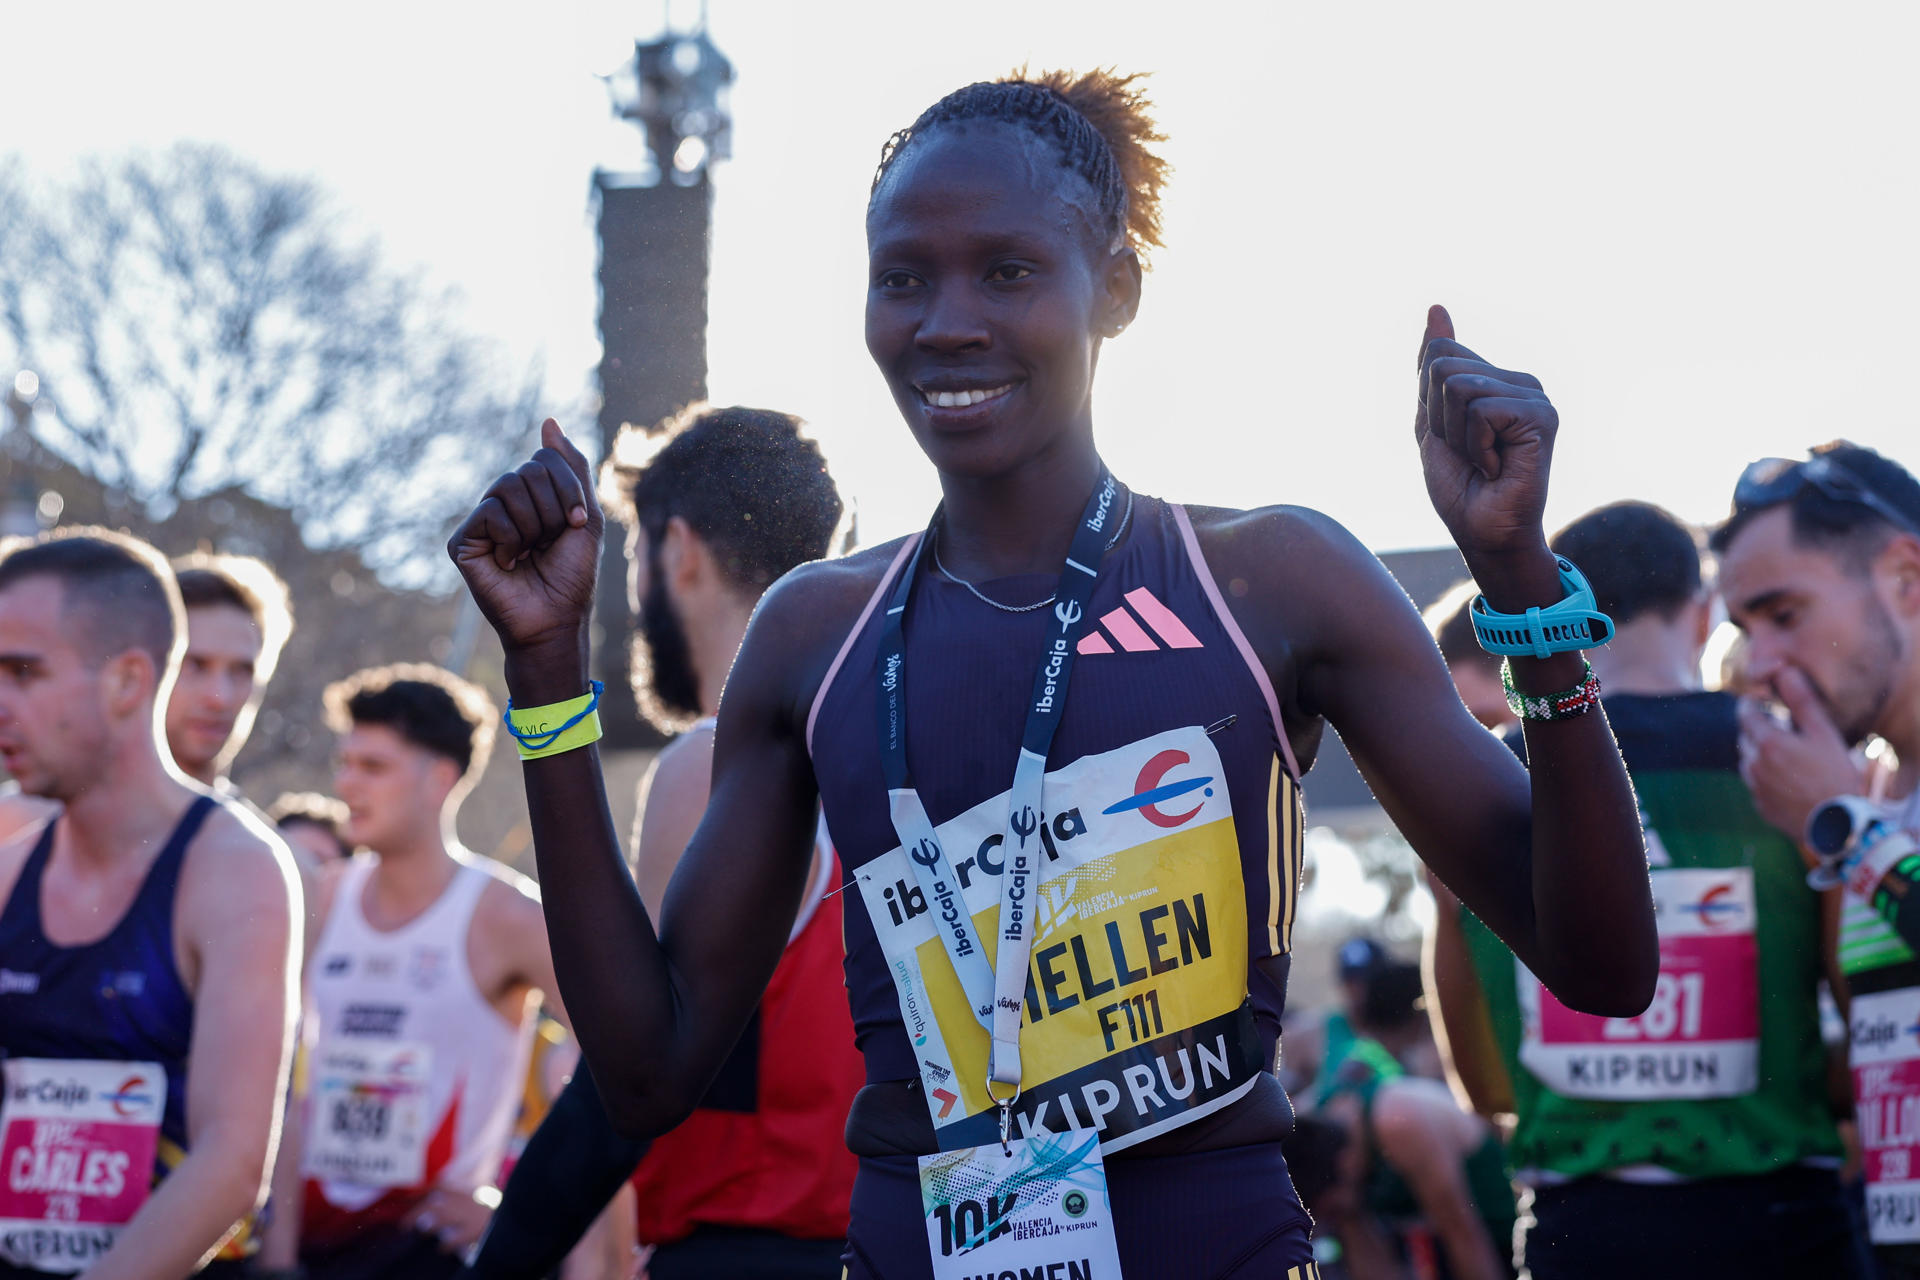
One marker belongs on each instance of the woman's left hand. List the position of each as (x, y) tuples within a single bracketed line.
[(1486, 443)]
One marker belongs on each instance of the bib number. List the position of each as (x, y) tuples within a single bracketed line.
[(1885, 1057), (370, 1122), (1699, 1038), (77, 1145), (1039, 1208), (1135, 1019)]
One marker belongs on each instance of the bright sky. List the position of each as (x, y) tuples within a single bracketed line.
[(1693, 223)]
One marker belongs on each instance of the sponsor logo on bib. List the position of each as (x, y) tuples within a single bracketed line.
[(1699, 1038), (1150, 791)]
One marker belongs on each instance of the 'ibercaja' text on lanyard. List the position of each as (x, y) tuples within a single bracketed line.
[(996, 992)]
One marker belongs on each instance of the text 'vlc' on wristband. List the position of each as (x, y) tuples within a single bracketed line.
[(560, 726)]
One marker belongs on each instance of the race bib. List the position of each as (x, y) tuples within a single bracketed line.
[(1134, 1021), (1700, 1038), (1037, 1209), (370, 1122), (1885, 1056), (77, 1144)]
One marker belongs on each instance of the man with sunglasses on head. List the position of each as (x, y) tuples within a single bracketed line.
[(1820, 567)]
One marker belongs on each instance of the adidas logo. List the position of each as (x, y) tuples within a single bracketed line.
[(1127, 632)]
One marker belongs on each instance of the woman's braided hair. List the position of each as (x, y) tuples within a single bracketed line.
[(1102, 124)]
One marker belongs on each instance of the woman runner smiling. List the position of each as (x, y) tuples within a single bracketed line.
[(1071, 821)]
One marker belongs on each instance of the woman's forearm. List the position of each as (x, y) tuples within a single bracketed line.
[(1591, 899), (606, 954)]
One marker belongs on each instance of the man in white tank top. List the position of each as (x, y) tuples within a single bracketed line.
[(420, 981)]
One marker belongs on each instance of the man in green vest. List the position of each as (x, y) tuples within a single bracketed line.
[(1697, 1139), (1820, 566)]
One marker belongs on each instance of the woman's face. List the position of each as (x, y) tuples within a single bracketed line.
[(988, 295)]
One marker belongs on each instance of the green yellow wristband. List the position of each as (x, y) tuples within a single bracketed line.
[(540, 732)]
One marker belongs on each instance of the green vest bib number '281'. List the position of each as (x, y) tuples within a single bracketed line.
[(1724, 1074)]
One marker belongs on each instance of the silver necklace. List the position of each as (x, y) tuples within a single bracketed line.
[(1125, 517)]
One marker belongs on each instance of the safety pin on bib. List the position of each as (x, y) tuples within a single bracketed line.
[(1006, 1114), (855, 878)]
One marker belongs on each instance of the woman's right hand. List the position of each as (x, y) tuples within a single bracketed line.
[(530, 550)]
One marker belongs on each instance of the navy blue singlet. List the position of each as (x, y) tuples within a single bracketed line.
[(1163, 652), (1150, 873), (117, 999)]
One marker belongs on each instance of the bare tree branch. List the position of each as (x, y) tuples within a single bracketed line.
[(199, 324)]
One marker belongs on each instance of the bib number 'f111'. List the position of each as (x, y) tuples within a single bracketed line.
[(1133, 1020)]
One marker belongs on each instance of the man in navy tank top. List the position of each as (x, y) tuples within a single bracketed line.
[(238, 619), (755, 1184), (147, 941)]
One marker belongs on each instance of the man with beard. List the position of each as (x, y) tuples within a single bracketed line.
[(1698, 1138), (1820, 567), (757, 1181)]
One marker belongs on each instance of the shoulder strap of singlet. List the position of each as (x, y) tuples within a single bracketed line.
[(165, 875), (1234, 633), (907, 548), (23, 905), (465, 892), (344, 915)]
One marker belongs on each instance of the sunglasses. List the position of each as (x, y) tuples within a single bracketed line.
[(1772, 481)]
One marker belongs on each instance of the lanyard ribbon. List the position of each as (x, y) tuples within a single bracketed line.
[(996, 992)]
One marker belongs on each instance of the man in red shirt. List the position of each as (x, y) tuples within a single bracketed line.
[(755, 1184)]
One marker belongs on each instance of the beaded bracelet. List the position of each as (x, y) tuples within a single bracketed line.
[(1541, 708), (540, 732)]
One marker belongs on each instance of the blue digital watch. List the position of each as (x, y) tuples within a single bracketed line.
[(1567, 627)]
